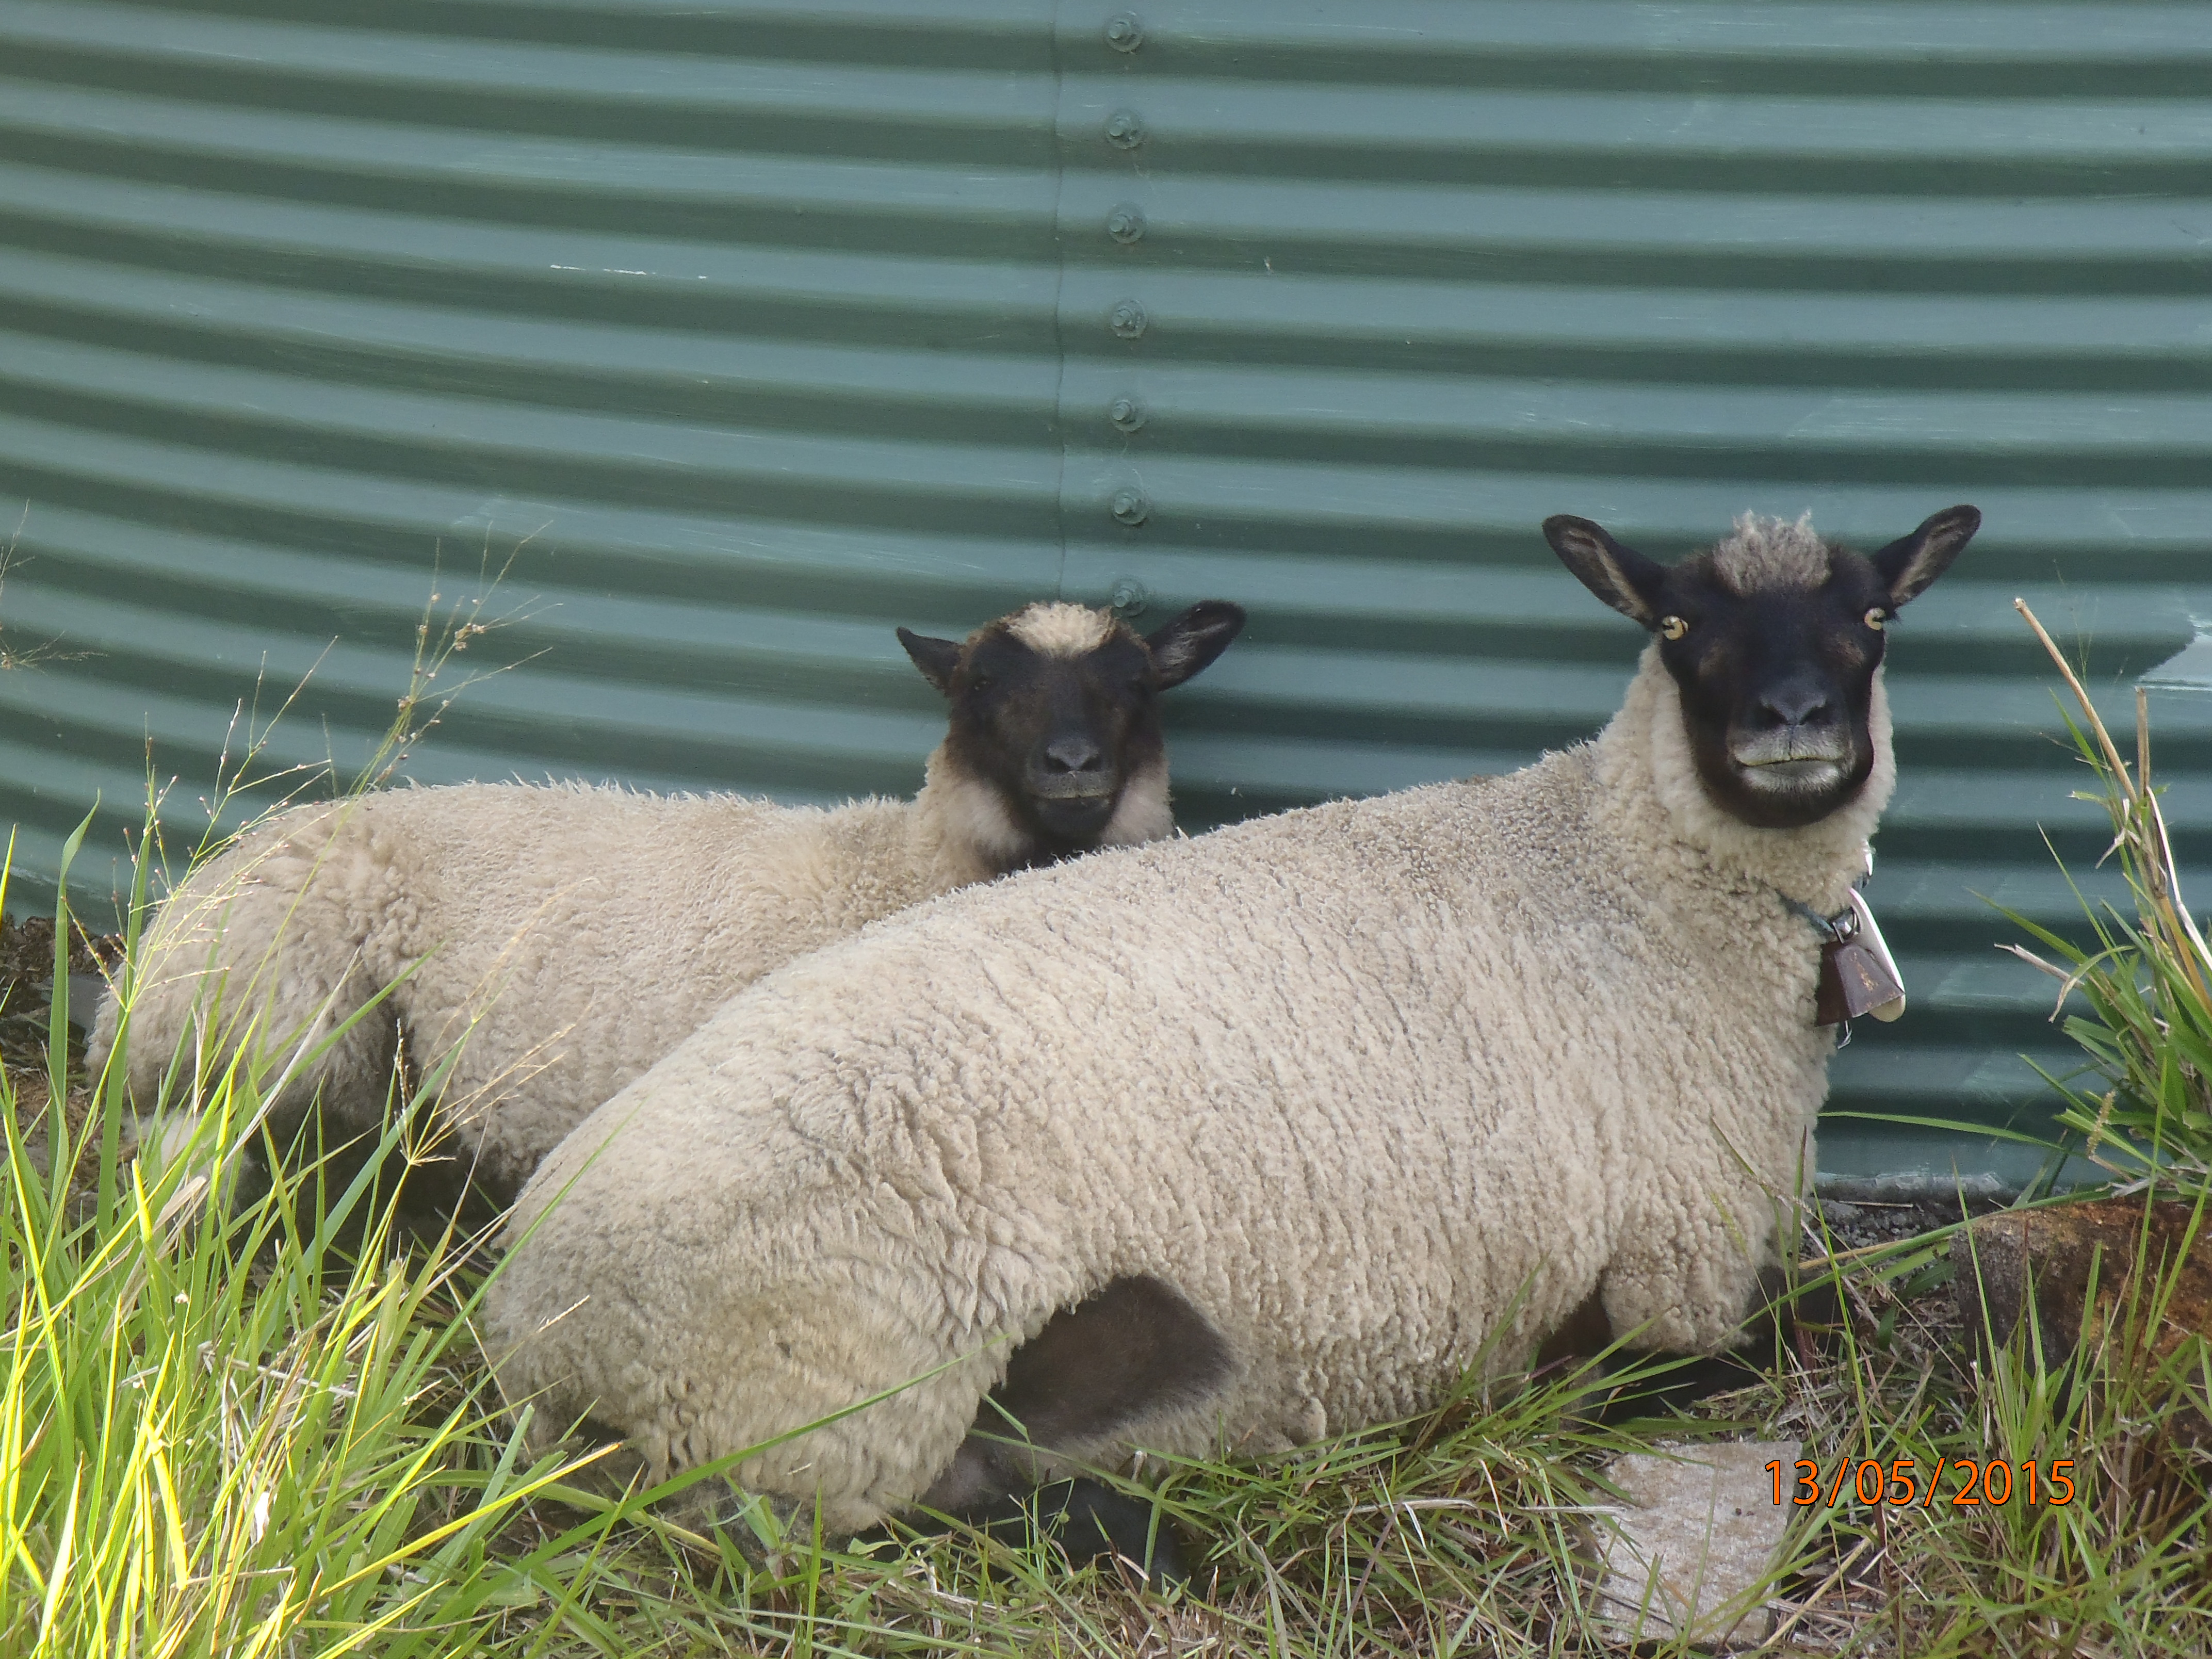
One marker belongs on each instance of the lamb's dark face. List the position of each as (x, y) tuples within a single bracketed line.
[(1055, 710), (1773, 637)]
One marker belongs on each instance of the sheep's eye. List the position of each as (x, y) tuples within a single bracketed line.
[(1672, 628), (1877, 619), (979, 681)]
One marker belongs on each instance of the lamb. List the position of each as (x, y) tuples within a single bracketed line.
[(1242, 1139), (574, 935)]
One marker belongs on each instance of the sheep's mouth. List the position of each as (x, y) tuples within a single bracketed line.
[(1792, 777), (1071, 816), (1792, 763), (1070, 787)]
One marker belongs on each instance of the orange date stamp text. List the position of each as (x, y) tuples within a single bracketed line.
[(1899, 1482)]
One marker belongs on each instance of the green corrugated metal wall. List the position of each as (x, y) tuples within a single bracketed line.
[(759, 329)]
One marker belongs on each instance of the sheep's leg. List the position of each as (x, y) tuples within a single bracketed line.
[(1135, 1350), (1091, 1521), (1787, 1314), (1583, 1335), (428, 1179), (439, 1174), (1686, 1266)]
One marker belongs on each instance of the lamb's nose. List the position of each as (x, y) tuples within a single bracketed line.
[(1072, 755), (1797, 705)]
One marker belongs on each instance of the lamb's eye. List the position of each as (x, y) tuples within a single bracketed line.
[(1672, 628), (1877, 619)]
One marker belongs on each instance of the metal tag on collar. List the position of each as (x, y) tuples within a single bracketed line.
[(1870, 941), (1858, 975)]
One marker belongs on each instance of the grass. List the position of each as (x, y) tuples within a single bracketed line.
[(218, 1439), (2121, 1567), (224, 1439), (2126, 1566), (2146, 980), (221, 1435)]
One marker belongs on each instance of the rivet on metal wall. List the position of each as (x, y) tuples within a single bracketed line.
[(1124, 33), (1129, 506), (1125, 129), (1127, 413), (1130, 596), (1126, 223), (1128, 320)]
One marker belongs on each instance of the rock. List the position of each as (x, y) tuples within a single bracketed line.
[(2054, 1250), (1693, 1552)]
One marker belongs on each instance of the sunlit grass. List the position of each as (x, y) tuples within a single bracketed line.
[(219, 1436)]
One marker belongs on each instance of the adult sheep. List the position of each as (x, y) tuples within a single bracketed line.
[(1255, 1136), (575, 934)]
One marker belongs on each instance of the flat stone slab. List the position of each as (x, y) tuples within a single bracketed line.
[(1690, 1553)]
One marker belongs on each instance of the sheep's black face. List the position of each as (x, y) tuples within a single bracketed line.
[(1776, 687), (1774, 638), (1057, 734), (1055, 708)]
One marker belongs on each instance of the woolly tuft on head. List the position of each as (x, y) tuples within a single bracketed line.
[(1760, 554), (1052, 629)]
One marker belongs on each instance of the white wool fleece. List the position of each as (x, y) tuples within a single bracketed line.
[(574, 934), (1348, 1079)]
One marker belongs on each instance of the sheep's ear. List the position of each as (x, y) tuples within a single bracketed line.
[(1911, 563), (1619, 575), (1183, 645), (937, 658)]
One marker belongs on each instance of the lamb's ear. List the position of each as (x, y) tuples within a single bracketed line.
[(1183, 645), (1619, 575), (937, 658), (1911, 563)]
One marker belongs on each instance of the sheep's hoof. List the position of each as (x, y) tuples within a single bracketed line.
[(1087, 1520), (1091, 1521)]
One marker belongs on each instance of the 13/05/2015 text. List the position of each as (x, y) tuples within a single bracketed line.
[(1897, 1482)]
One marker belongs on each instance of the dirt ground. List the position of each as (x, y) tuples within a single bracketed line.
[(1923, 1307), (1862, 1226), (26, 974)]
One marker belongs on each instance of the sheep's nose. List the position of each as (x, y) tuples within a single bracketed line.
[(1797, 705), (1073, 754)]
